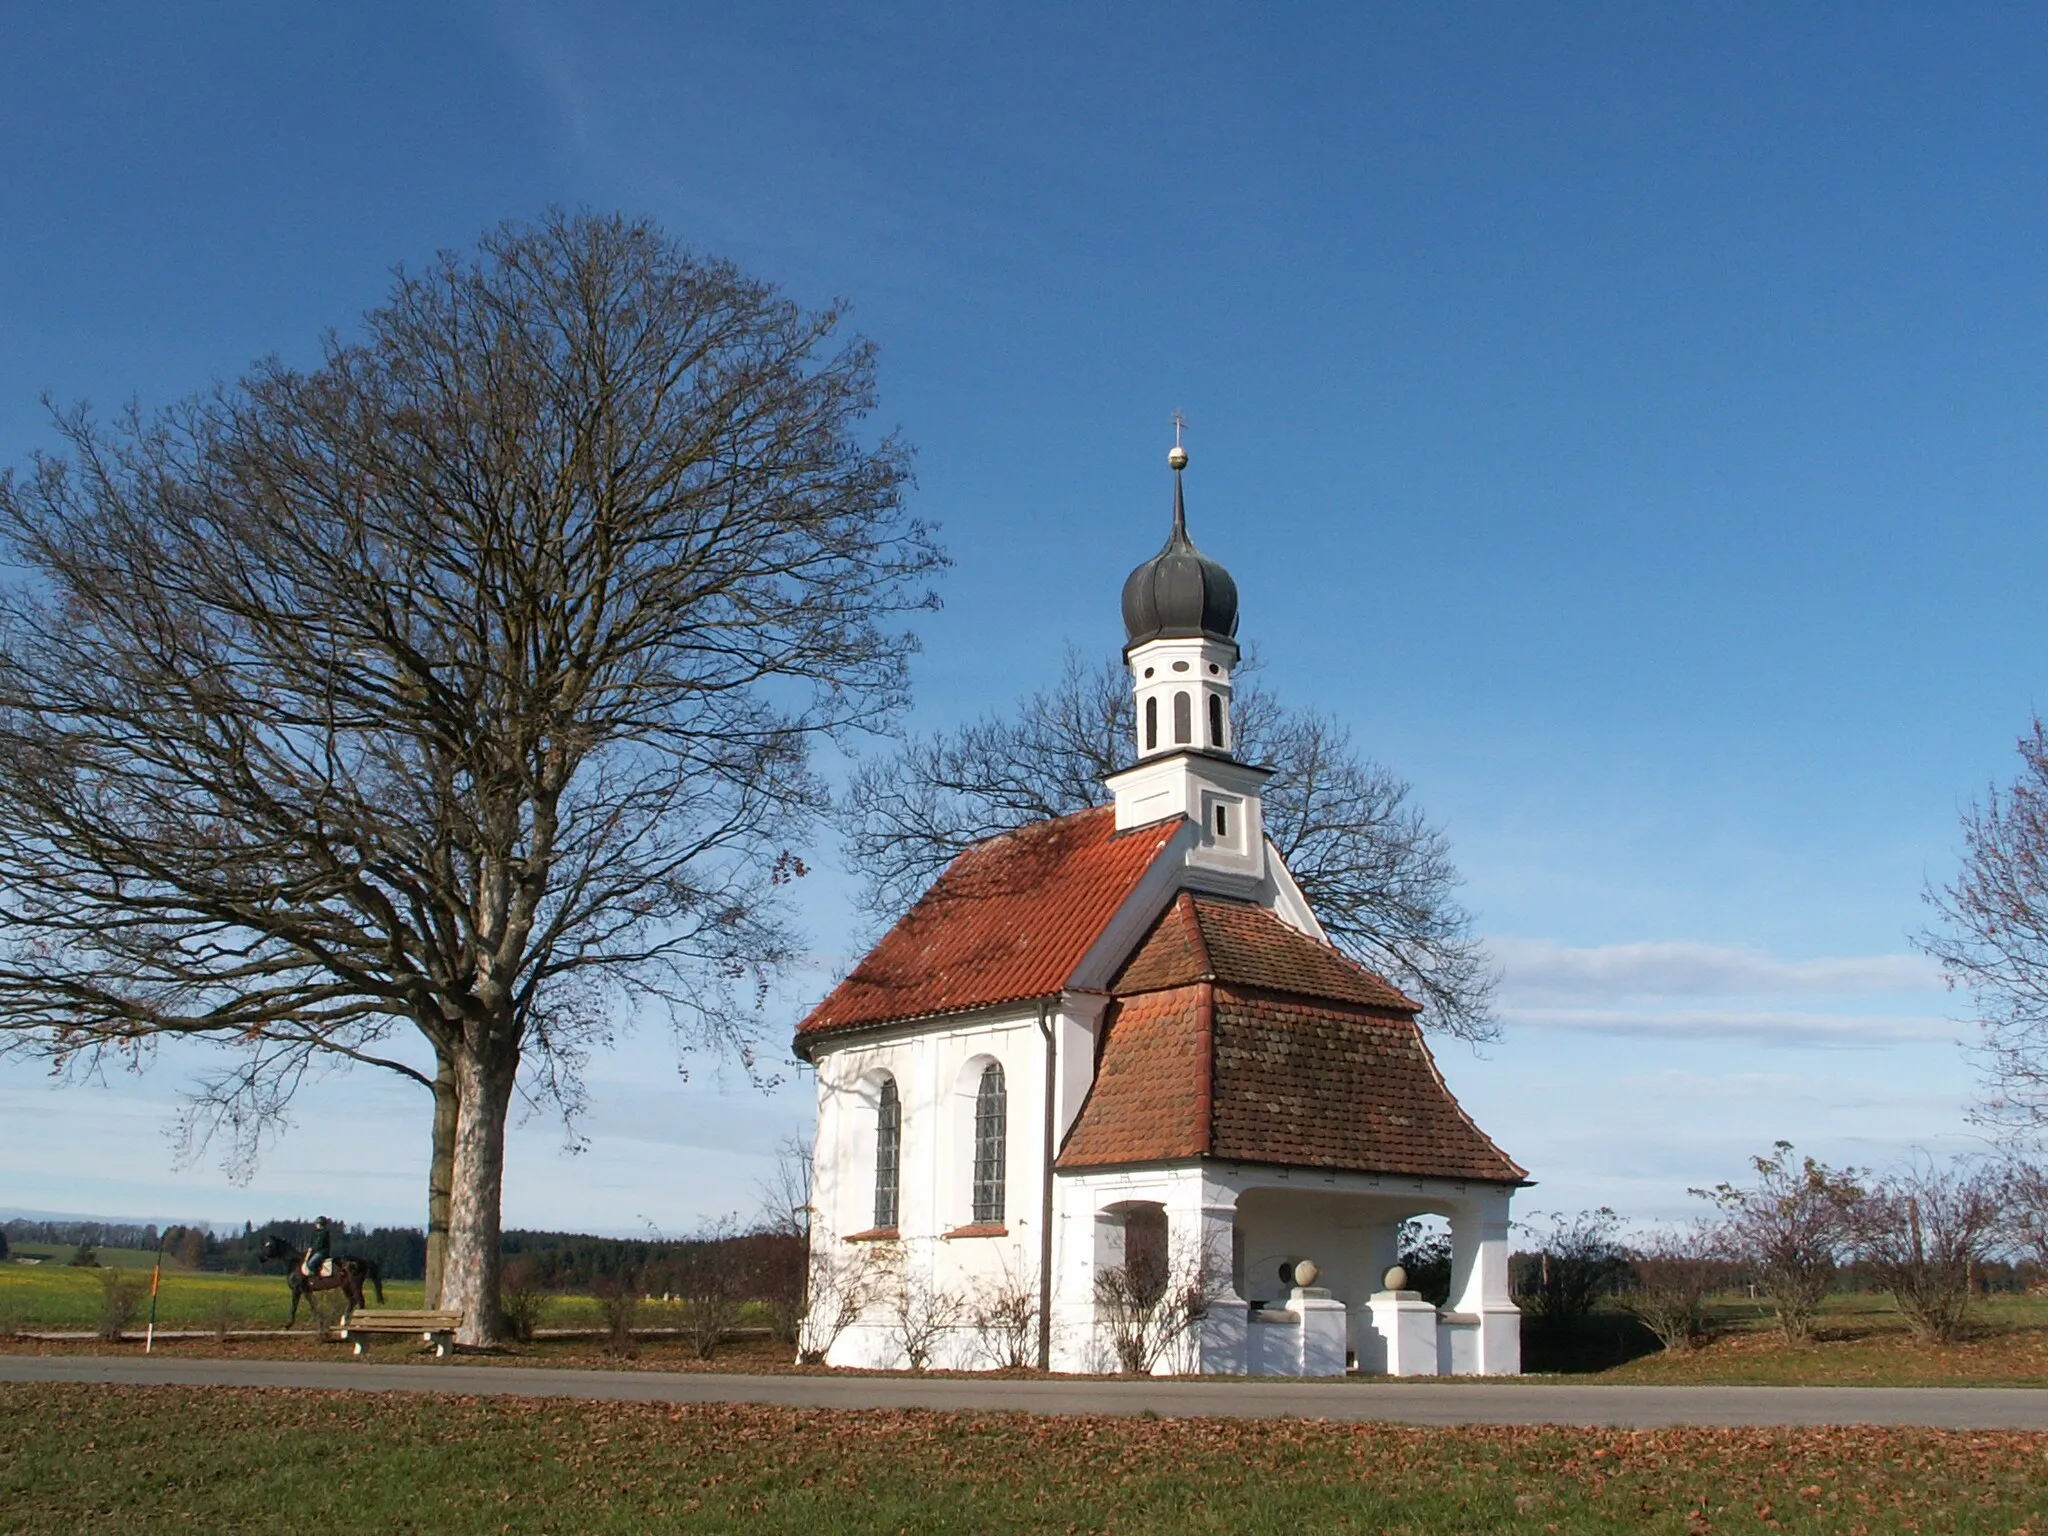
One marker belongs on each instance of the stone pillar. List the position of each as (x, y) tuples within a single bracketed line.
[(1480, 1297), (1323, 1327), (1225, 1328), (1404, 1330)]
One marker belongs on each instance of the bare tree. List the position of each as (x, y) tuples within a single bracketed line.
[(1992, 937), (2023, 1211), (459, 689), (1924, 1230), (1790, 1228), (1378, 874), (1670, 1276)]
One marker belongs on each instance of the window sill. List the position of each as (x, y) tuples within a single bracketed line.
[(979, 1229), (873, 1235)]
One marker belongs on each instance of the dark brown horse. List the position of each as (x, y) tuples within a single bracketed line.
[(349, 1276)]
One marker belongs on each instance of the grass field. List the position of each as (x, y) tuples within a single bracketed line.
[(76, 1458), (60, 1298), (1861, 1340)]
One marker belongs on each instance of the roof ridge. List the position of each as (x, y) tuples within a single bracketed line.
[(1189, 906)]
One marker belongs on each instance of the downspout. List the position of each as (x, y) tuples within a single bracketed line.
[(1046, 1028)]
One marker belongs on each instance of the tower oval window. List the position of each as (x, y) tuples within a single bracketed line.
[(1151, 724), (1215, 719), (1183, 720)]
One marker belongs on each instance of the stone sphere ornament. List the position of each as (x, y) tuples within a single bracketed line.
[(1305, 1272), (1396, 1279)]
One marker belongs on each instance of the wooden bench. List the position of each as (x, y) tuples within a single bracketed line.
[(435, 1328)]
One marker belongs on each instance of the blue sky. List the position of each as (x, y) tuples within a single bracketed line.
[(1629, 420)]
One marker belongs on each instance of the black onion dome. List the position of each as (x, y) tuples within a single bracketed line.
[(1180, 592)]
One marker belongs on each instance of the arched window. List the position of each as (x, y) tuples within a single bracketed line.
[(1183, 721), (1151, 725), (888, 1153), (991, 1111), (1215, 719)]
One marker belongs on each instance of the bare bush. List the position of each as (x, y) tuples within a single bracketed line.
[(120, 1300), (225, 1316), (842, 1287), (1578, 1259), (1923, 1230), (1004, 1314), (522, 1300), (1790, 1229), (1150, 1309), (619, 1307), (1671, 1275), (710, 1279), (921, 1315)]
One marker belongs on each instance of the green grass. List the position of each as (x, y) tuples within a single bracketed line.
[(78, 1458), (110, 1258), (62, 1298), (1859, 1340)]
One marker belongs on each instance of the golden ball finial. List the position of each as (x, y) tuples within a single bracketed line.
[(1178, 457)]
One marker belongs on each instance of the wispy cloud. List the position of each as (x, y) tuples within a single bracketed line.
[(1839, 1031), (1538, 970)]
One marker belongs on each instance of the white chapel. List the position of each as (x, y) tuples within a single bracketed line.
[(1110, 1062)]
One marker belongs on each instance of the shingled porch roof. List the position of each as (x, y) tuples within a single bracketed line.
[(1234, 1036)]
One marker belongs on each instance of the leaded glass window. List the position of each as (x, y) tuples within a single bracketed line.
[(991, 1113), (888, 1152)]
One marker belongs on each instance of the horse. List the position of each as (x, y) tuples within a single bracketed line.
[(349, 1275)]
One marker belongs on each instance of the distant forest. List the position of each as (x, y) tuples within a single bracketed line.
[(550, 1261)]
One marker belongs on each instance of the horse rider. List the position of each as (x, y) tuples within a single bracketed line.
[(318, 1256)]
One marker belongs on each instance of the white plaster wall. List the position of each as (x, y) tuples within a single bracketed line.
[(937, 1071)]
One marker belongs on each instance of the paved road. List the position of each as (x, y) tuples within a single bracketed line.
[(1410, 1403)]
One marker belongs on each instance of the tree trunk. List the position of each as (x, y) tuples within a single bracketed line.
[(440, 1177), (469, 1280)]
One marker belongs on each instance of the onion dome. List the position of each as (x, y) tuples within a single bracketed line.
[(1180, 592)]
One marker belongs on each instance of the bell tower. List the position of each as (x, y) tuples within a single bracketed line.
[(1180, 624)]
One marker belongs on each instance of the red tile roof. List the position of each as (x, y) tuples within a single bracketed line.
[(1234, 1036), (1010, 919), (1234, 941)]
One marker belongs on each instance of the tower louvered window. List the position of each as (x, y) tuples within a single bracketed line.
[(991, 1114), (1215, 719), (1183, 720), (1151, 724), (888, 1153)]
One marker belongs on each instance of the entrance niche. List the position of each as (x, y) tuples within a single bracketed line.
[(1131, 1250)]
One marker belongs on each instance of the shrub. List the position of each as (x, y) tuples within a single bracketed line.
[(1577, 1260), (842, 1287), (1922, 1231), (1790, 1229), (1004, 1315), (618, 1304), (1671, 1275), (120, 1299), (922, 1316), (710, 1279), (521, 1301), (82, 1257)]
